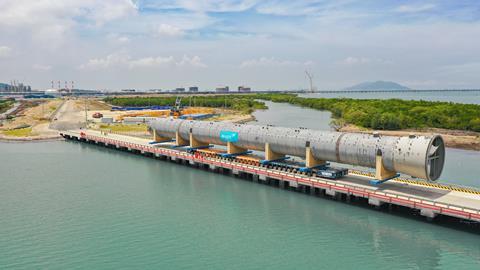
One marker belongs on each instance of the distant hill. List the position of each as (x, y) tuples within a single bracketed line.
[(378, 85)]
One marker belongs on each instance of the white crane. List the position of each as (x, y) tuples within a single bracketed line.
[(310, 78)]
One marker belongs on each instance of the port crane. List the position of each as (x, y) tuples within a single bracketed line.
[(310, 79)]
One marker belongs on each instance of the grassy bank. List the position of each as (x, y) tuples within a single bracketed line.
[(390, 114), (124, 128), (245, 103), (19, 132), (5, 105)]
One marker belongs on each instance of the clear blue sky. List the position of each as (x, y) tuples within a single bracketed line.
[(113, 44)]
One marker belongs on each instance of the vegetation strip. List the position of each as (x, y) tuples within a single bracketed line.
[(391, 114), (243, 103), (5, 105), (380, 114)]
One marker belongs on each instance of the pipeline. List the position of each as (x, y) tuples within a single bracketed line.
[(418, 156)]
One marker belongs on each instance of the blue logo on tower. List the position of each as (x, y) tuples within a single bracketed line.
[(228, 136)]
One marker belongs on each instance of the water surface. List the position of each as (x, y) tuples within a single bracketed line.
[(471, 97), (67, 205), (71, 205)]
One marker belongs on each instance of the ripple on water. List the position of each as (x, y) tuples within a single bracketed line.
[(89, 207)]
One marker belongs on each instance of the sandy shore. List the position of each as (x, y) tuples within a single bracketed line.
[(31, 139), (453, 138)]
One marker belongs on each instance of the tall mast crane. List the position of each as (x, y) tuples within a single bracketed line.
[(310, 79)]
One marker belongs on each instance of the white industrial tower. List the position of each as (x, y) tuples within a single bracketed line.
[(310, 79)]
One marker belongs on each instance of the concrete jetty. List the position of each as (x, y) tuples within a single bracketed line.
[(426, 199)]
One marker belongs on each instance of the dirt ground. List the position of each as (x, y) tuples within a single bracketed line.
[(47, 118), (34, 115), (52, 116), (37, 117), (453, 138)]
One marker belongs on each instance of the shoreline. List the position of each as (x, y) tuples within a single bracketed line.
[(8, 139), (458, 139)]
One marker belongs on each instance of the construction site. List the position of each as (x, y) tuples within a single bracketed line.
[(41, 119)]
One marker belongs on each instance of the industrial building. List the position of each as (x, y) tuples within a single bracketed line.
[(244, 89), (193, 89), (223, 89), (15, 87), (128, 90), (180, 89)]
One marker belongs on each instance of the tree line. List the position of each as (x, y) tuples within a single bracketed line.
[(389, 114), (243, 103)]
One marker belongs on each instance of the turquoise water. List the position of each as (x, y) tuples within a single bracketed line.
[(67, 205), (80, 206)]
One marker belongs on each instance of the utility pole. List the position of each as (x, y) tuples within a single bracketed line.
[(310, 78), (86, 114)]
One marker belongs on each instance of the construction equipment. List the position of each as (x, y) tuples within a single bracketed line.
[(97, 115), (176, 110)]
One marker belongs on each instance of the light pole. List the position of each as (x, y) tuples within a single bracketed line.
[(86, 113)]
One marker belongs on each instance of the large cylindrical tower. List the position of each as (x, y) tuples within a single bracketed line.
[(418, 156)]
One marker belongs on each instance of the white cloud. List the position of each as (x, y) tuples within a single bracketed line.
[(48, 12), (194, 61), (50, 21), (123, 60), (348, 40), (118, 38), (205, 5), (414, 8), (317, 8), (102, 11), (287, 8), (169, 30), (151, 62), (111, 60), (363, 60), (123, 39), (41, 67), (272, 62), (5, 51)]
